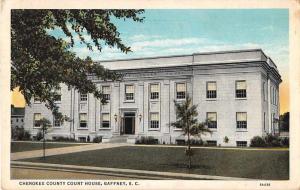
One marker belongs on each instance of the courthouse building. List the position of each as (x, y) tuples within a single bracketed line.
[(237, 90)]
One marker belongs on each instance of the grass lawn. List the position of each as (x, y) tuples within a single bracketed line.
[(233, 163), (27, 146)]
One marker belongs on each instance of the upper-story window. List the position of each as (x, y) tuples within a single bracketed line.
[(180, 90), (105, 120), (106, 92), (83, 120), (154, 91), (154, 120), (129, 92), (240, 89), (37, 117), (241, 120), (83, 97), (212, 120), (57, 122), (57, 97), (37, 99), (211, 90)]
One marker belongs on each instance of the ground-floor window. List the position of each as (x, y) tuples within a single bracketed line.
[(211, 143), (241, 120), (154, 120), (37, 117), (82, 139), (212, 120), (83, 120), (105, 120), (241, 143), (57, 122)]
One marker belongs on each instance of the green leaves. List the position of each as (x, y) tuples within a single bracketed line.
[(186, 115), (41, 63)]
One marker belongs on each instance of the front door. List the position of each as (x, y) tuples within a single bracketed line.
[(129, 123)]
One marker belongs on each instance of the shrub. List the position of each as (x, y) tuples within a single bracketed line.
[(285, 141), (272, 140), (146, 140), (39, 136), (196, 142), (20, 134), (258, 141), (97, 139), (64, 139)]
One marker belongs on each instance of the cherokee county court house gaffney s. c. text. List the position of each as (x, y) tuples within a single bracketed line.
[(237, 90)]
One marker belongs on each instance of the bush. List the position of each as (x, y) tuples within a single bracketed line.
[(285, 142), (63, 139), (272, 141), (146, 140), (196, 142), (20, 134), (258, 142), (97, 139), (39, 136)]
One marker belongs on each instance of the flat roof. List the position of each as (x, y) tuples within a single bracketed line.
[(217, 57)]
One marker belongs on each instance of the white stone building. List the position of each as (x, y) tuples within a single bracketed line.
[(239, 90)]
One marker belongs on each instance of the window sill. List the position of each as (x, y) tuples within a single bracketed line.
[(57, 127), (102, 128), (79, 128), (213, 129), (240, 130), (180, 100), (177, 129), (128, 101), (37, 127), (211, 99), (240, 98), (154, 100), (154, 129), (37, 102)]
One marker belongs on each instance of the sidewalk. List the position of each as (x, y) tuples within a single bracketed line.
[(117, 172), (63, 150)]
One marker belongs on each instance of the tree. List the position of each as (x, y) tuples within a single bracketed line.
[(284, 120), (45, 126), (186, 115), (41, 62)]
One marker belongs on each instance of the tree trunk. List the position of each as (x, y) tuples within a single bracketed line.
[(189, 149), (44, 151)]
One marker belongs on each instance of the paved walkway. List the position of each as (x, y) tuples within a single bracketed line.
[(117, 172), (63, 150)]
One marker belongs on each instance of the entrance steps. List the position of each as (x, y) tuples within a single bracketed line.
[(122, 139)]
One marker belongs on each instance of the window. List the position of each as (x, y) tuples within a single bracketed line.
[(57, 97), (83, 97), (83, 120), (154, 120), (241, 120), (56, 122), (129, 92), (211, 90), (105, 120), (17, 120), (211, 143), (37, 100), (37, 117), (180, 90), (212, 120), (154, 91), (106, 92), (240, 89), (264, 91), (22, 120), (241, 143), (82, 139)]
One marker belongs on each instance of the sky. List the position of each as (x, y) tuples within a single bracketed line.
[(173, 32)]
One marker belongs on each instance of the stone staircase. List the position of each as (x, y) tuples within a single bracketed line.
[(122, 139)]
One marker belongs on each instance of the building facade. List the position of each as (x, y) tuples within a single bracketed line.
[(237, 90)]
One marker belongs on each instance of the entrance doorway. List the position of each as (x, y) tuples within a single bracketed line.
[(128, 123)]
